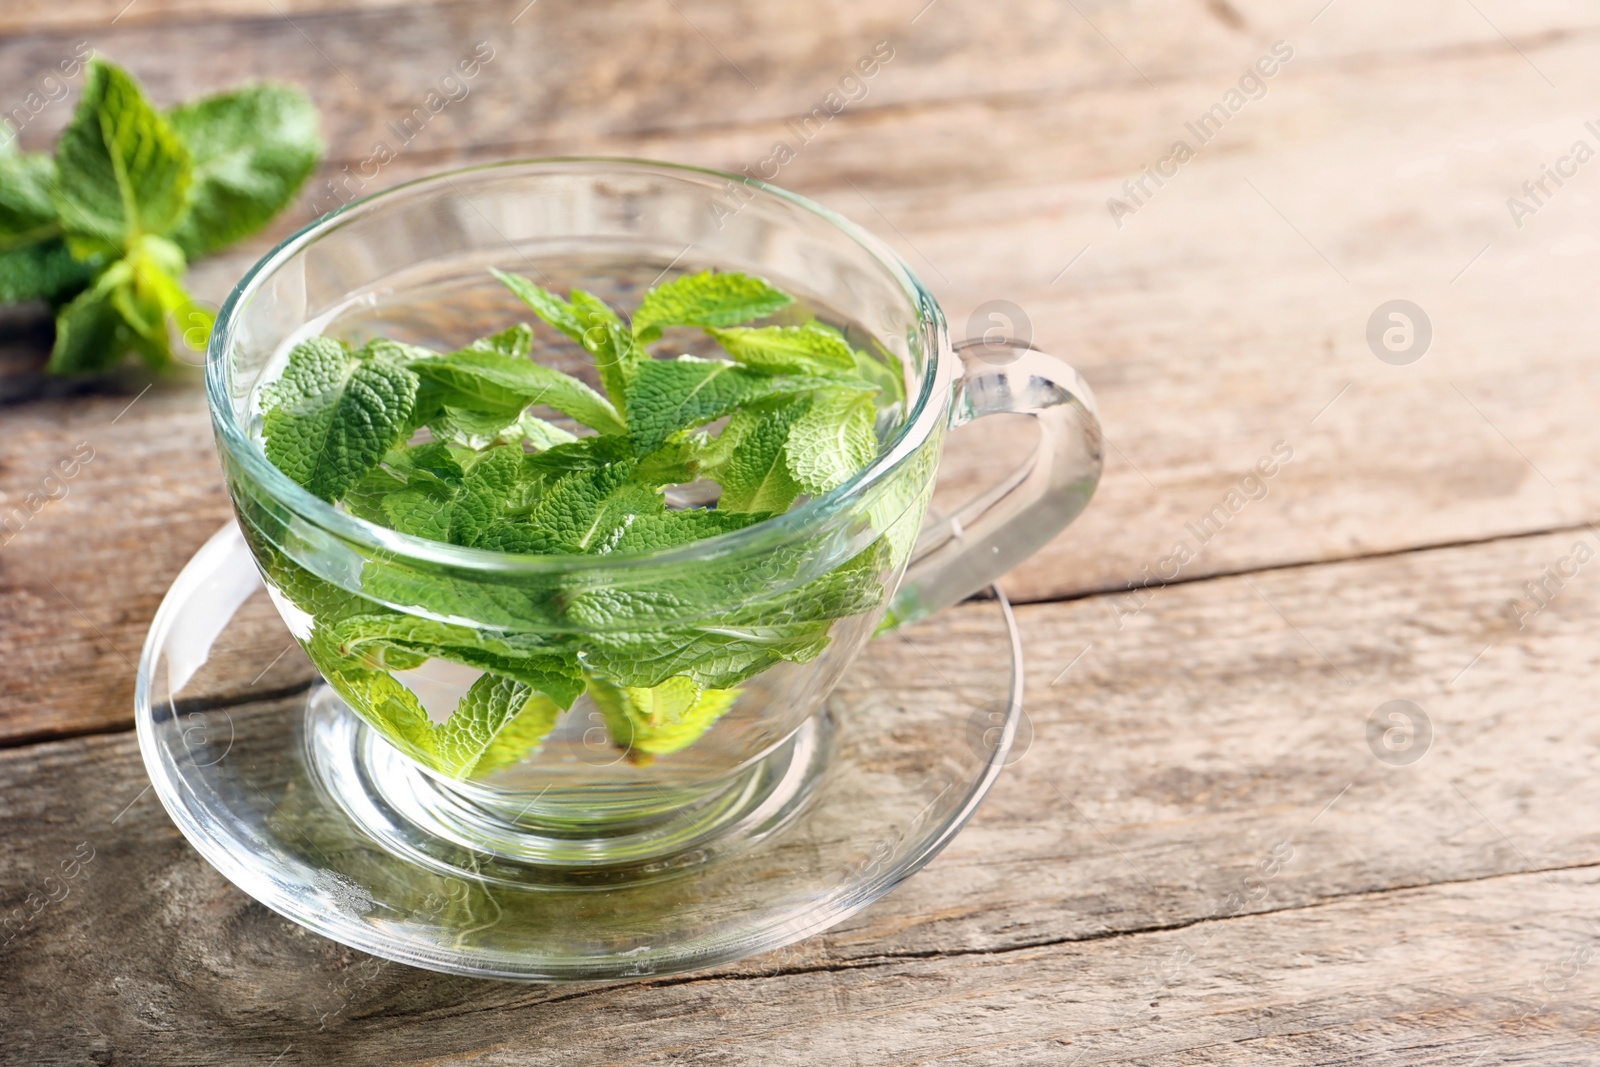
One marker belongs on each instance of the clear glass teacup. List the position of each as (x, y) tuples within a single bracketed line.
[(625, 706)]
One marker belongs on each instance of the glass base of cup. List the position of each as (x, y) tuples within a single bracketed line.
[(454, 829)]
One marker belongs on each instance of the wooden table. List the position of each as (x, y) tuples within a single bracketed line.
[(1207, 855)]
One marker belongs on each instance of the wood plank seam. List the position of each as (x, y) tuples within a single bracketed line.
[(903, 956), (1297, 565)]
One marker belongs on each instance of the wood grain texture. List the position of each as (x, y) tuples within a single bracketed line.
[(1116, 897)]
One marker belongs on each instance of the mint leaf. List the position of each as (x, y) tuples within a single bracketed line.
[(333, 415), (523, 657), (252, 150), (27, 212), (385, 701), (35, 263), (515, 342), (488, 380), (127, 309), (151, 295), (739, 643), (609, 340), (319, 598), (809, 349), (89, 330), (589, 321), (833, 440), (884, 371), (650, 531), (584, 454), (670, 395), (585, 511), (365, 499), (498, 722), (713, 659), (756, 476), (456, 504), (899, 506), (548, 306), (706, 299), (123, 172), (660, 720), (44, 271), (476, 429)]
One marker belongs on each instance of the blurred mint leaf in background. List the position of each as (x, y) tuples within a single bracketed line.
[(252, 149), (122, 172), (105, 230)]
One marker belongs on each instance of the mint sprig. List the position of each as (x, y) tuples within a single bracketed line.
[(105, 229), (801, 408)]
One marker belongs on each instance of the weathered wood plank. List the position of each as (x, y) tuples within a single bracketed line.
[(561, 70), (101, 500), (1224, 805)]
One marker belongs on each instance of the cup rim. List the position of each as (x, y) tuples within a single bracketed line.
[(911, 435)]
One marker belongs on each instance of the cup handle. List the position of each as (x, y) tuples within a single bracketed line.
[(967, 550)]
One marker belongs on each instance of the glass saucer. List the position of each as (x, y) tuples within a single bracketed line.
[(270, 777)]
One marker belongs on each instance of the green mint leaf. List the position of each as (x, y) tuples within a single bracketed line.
[(44, 271), (898, 508), (587, 511), (151, 296), (547, 305), (333, 415), (384, 701), (319, 598), (590, 322), (809, 349), (884, 371), (484, 379), (515, 343), (456, 504), (712, 659), (365, 499), (584, 454), (497, 723), (740, 643), (684, 458), (852, 588), (27, 211), (476, 429), (127, 309), (35, 263), (123, 172), (526, 658), (608, 339), (833, 440), (650, 531), (660, 720), (397, 352), (756, 475), (89, 330), (706, 299), (666, 396), (252, 149)]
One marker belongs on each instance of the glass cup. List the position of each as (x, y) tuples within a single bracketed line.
[(623, 707)]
